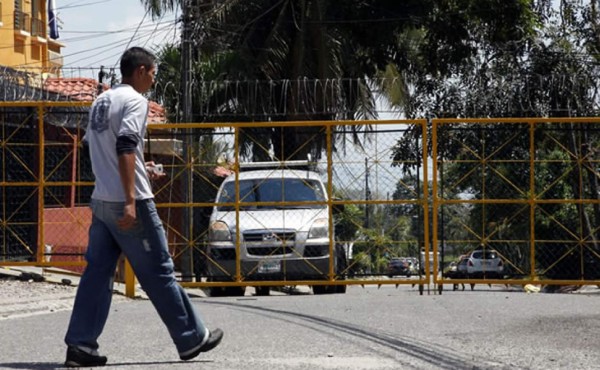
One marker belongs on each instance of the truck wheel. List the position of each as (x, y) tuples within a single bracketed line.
[(235, 291), (340, 270), (322, 289), (340, 289), (216, 292), (262, 290)]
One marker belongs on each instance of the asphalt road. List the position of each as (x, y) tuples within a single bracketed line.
[(367, 328)]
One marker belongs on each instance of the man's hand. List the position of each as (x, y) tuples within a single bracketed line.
[(155, 171), (128, 220)]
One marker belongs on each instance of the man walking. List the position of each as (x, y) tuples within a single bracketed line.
[(125, 220)]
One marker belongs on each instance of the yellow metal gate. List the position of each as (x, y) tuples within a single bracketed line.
[(522, 189), (374, 202)]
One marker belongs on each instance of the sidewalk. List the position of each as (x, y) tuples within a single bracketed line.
[(58, 276)]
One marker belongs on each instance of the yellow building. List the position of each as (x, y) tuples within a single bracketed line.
[(25, 42)]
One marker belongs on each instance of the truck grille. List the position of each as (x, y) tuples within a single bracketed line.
[(269, 236), (270, 251)]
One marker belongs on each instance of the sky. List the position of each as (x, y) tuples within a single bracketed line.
[(96, 32)]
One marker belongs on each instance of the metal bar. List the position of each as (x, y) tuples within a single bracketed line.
[(73, 172), (191, 125), (129, 280), (45, 104), (532, 199), (435, 190), (41, 184), (236, 151), (330, 203)]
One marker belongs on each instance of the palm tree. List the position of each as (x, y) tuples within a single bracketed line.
[(324, 60), (288, 63)]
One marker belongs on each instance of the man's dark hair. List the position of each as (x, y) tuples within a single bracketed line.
[(135, 57)]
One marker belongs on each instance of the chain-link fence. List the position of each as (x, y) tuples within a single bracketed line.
[(324, 203), (320, 206), (46, 183), (518, 199)]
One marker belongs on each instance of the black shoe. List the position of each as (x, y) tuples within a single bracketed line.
[(79, 358), (213, 340)]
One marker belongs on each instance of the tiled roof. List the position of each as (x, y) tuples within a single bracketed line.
[(156, 113), (86, 89), (81, 89)]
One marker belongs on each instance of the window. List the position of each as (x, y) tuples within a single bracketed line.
[(485, 255), (36, 52), (274, 190), (36, 8), (22, 19), (37, 25)]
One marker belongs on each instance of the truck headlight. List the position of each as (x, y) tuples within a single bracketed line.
[(319, 229), (218, 232)]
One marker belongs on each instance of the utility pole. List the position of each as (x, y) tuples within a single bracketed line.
[(186, 117), (367, 194), (186, 60)]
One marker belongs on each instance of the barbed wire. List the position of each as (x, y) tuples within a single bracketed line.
[(327, 98), (20, 86), (528, 95), (517, 95)]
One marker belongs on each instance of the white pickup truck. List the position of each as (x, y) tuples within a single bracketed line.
[(276, 228)]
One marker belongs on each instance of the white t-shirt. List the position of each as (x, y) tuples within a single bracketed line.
[(118, 111)]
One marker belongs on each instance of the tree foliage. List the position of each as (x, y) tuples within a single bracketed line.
[(352, 44), (552, 74), (328, 60)]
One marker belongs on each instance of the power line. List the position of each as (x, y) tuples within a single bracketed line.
[(110, 44), (135, 33), (175, 30), (122, 30), (160, 19), (167, 34), (96, 35), (148, 34), (72, 5)]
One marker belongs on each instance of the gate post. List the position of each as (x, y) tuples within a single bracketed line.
[(129, 280)]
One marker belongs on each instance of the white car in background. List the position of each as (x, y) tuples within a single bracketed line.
[(485, 263)]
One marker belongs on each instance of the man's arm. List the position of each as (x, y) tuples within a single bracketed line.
[(134, 116), (126, 152)]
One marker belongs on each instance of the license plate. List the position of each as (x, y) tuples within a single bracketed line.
[(269, 267)]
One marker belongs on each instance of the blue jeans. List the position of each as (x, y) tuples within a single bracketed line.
[(145, 246)]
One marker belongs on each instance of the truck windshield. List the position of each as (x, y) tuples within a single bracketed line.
[(273, 190)]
